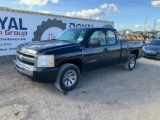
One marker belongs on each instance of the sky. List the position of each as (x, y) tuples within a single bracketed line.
[(126, 14)]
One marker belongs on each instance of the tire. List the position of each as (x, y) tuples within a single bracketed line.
[(45, 25), (131, 63), (66, 75)]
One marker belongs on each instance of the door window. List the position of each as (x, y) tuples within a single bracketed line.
[(111, 38), (99, 35)]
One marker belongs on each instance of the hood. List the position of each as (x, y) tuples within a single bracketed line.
[(153, 48), (44, 45)]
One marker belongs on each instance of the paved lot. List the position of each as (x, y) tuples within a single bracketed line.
[(107, 94)]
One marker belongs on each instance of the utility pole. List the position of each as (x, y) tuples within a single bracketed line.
[(145, 24), (154, 25)]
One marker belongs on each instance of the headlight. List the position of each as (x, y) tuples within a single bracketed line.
[(143, 48), (45, 61)]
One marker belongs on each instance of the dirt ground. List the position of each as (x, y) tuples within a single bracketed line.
[(106, 94)]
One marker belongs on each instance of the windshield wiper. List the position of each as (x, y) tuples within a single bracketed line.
[(65, 41), (54, 39)]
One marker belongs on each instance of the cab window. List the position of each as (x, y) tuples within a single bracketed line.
[(99, 35), (111, 37)]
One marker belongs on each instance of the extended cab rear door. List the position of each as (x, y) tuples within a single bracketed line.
[(113, 48)]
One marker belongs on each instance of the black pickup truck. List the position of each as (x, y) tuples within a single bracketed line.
[(74, 51)]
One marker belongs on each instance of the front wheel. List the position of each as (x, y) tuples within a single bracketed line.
[(68, 77), (131, 63)]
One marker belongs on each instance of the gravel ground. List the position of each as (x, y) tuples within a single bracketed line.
[(106, 94)]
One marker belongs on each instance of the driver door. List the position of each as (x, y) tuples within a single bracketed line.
[(95, 55)]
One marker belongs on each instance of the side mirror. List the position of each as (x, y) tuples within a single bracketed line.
[(94, 43)]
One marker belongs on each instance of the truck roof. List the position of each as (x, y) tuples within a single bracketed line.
[(93, 28), (48, 14)]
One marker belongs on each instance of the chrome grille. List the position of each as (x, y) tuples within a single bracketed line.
[(25, 58)]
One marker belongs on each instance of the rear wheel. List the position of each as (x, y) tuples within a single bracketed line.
[(68, 77), (131, 63)]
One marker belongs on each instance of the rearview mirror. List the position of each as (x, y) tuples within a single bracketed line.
[(94, 43)]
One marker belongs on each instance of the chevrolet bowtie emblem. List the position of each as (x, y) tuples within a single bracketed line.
[(20, 56)]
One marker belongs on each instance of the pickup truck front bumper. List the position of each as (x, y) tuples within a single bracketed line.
[(40, 74)]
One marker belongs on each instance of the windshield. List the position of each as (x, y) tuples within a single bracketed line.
[(155, 42), (72, 35)]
